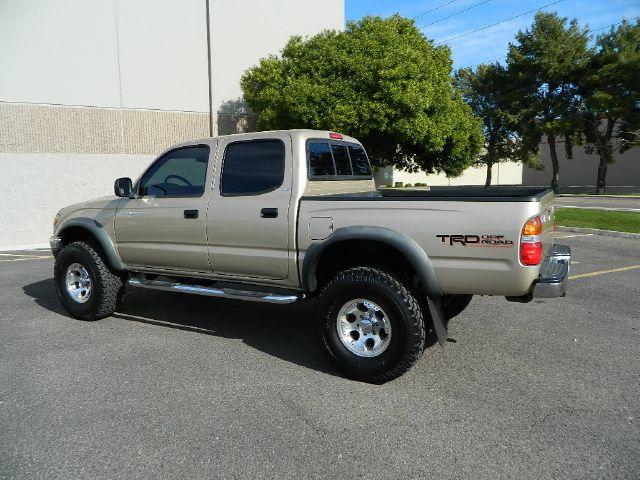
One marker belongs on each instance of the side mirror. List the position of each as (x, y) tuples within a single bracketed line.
[(123, 187)]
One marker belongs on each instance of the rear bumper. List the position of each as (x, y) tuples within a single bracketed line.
[(554, 273)]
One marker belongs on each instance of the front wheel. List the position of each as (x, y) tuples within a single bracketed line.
[(370, 324), (86, 286)]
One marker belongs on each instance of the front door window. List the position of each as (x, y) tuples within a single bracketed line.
[(179, 173)]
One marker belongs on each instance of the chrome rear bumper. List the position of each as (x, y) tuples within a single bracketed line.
[(554, 273)]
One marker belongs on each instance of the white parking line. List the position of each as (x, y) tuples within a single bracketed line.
[(576, 235), (24, 258)]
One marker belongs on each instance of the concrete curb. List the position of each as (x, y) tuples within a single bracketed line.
[(596, 231), (610, 209), (604, 195)]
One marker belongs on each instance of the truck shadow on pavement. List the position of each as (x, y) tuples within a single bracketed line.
[(282, 331)]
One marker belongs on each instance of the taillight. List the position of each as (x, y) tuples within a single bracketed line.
[(532, 227), (530, 245), (335, 136), (531, 253)]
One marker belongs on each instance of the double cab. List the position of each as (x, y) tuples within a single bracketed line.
[(283, 216)]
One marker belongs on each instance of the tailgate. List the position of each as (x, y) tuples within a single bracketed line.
[(547, 215)]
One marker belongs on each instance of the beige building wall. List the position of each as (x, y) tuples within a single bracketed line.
[(502, 174), (93, 90), (582, 169)]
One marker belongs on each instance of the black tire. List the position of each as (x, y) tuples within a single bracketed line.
[(107, 288), (454, 305), (407, 339)]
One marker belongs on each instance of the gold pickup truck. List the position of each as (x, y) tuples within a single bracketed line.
[(284, 215)]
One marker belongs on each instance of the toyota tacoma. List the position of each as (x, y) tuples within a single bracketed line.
[(285, 215)]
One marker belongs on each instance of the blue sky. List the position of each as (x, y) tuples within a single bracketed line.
[(491, 43)]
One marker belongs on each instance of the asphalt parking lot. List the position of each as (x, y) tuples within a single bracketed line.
[(177, 386)]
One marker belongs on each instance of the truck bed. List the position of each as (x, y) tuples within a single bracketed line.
[(464, 194), (431, 217)]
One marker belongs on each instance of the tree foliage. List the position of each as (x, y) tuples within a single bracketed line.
[(545, 64), (489, 93), (610, 95), (381, 81)]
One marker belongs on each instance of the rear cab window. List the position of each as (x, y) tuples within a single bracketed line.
[(337, 160)]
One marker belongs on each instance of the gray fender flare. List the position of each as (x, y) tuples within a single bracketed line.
[(405, 245), (98, 232), (408, 247)]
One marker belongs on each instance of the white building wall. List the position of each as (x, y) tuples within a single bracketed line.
[(29, 204), (163, 54), (92, 90), (72, 52), (245, 31), (59, 52)]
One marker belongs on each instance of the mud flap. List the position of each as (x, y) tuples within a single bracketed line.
[(437, 316)]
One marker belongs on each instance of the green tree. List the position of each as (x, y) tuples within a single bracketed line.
[(610, 91), (488, 91), (381, 81), (544, 64)]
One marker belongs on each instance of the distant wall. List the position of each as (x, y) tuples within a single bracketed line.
[(502, 174), (582, 170)]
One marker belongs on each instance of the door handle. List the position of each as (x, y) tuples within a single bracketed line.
[(191, 214), (269, 212)]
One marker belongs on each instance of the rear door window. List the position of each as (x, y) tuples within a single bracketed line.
[(252, 167)]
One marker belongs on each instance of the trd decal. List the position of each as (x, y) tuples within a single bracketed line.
[(476, 240)]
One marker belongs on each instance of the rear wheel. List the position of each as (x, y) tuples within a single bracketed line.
[(370, 324), (454, 305), (86, 286)]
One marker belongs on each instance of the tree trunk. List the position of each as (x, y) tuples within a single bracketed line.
[(605, 151), (487, 183), (554, 163), (602, 174)]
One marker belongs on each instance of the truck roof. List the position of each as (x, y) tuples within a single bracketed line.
[(296, 134)]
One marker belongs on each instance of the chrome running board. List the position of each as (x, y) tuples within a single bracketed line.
[(232, 293)]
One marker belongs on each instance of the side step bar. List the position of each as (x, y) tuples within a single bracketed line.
[(247, 295)]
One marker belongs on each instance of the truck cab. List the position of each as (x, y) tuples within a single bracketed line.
[(227, 206)]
